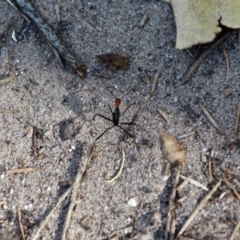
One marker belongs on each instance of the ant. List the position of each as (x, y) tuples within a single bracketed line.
[(116, 118)]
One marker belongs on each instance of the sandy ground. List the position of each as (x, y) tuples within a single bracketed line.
[(53, 99)]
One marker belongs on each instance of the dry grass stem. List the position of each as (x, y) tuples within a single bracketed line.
[(2, 202), (88, 25), (20, 222), (181, 200), (185, 135), (212, 120), (155, 81), (163, 114), (143, 20), (194, 182), (120, 169), (227, 61), (184, 183), (210, 177), (202, 57), (199, 207), (232, 187), (75, 188), (9, 111), (7, 80), (237, 122), (57, 8), (171, 221), (235, 231), (228, 171), (45, 221), (21, 170), (189, 52), (166, 171)]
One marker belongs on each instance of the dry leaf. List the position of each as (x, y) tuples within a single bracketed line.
[(198, 21), (173, 150), (114, 61)]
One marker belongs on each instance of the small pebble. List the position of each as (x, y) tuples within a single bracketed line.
[(132, 202), (11, 191), (2, 176)]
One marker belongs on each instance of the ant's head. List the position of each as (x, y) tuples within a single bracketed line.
[(117, 102)]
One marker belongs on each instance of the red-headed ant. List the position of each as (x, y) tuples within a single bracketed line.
[(116, 118)]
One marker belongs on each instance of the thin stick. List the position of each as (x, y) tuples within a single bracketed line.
[(199, 207), (185, 183), (20, 170), (45, 221), (228, 171), (75, 186), (212, 120), (20, 222), (194, 182), (237, 121), (7, 80), (143, 20), (166, 171), (232, 187), (170, 230), (210, 177), (57, 8), (163, 114), (155, 81), (235, 231), (227, 61), (120, 169), (202, 57), (28, 10), (185, 135)]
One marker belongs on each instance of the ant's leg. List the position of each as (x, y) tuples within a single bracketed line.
[(99, 115), (127, 108), (104, 132), (131, 123), (130, 135), (110, 109)]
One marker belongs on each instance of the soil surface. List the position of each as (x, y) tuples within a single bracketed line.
[(55, 106)]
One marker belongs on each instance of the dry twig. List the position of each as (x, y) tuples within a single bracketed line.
[(75, 187), (202, 57), (185, 183), (43, 224), (237, 122), (199, 207), (163, 114), (235, 231), (7, 80), (228, 171), (20, 222), (143, 20), (155, 81), (21, 170), (29, 12), (212, 120), (227, 61), (232, 187), (194, 182)]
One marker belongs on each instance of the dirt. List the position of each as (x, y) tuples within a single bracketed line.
[(60, 105)]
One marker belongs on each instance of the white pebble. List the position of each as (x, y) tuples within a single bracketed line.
[(11, 191), (5, 207), (49, 189), (175, 99), (73, 147), (2, 176), (132, 202)]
